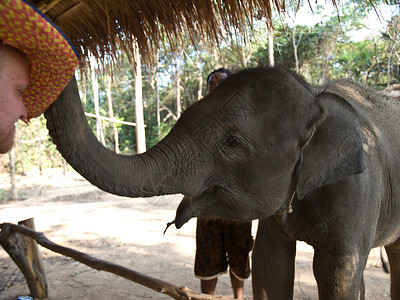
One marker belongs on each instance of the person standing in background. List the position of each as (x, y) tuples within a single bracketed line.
[(220, 243)]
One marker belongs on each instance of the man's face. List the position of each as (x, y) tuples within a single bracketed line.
[(14, 79)]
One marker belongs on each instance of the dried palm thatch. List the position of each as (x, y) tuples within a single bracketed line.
[(102, 27)]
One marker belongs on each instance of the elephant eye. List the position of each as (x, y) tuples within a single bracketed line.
[(236, 146), (232, 142)]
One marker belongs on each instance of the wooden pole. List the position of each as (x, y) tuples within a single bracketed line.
[(174, 291), (25, 253)]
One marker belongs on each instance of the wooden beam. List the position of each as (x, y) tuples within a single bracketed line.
[(25, 253), (174, 291), (110, 119), (44, 8)]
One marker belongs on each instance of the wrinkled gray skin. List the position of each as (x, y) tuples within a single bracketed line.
[(241, 152)]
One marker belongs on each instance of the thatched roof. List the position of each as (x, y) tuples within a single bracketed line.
[(103, 26), (100, 26)]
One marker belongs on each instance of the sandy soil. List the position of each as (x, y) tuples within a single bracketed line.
[(128, 232)]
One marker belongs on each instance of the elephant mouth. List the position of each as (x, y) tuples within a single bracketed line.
[(194, 206), (215, 202), (184, 212), (222, 203)]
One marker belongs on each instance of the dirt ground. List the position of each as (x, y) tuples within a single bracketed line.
[(129, 232)]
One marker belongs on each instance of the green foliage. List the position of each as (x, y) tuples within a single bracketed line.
[(26, 149), (332, 49)]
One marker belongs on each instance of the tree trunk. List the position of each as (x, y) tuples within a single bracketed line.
[(140, 131), (83, 86), (64, 165), (393, 37), (200, 77), (39, 146), (14, 190), (157, 100), (271, 59), (389, 63), (178, 83), (377, 61), (216, 56), (21, 156), (295, 46), (245, 56), (111, 111), (154, 85), (200, 86), (95, 85)]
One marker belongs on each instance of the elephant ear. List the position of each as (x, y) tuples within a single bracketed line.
[(334, 147)]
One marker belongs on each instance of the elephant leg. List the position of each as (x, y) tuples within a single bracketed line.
[(273, 265), (339, 276), (393, 253)]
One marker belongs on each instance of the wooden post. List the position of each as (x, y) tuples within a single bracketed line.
[(14, 189), (25, 253)]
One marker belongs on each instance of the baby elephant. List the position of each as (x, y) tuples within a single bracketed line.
[(316, 164), (320, 165)]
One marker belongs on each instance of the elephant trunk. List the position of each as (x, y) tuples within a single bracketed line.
[(144, 175)]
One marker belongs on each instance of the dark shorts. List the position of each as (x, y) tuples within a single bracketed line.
[(219, 243)]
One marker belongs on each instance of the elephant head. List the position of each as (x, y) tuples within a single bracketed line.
[(239, 153)]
